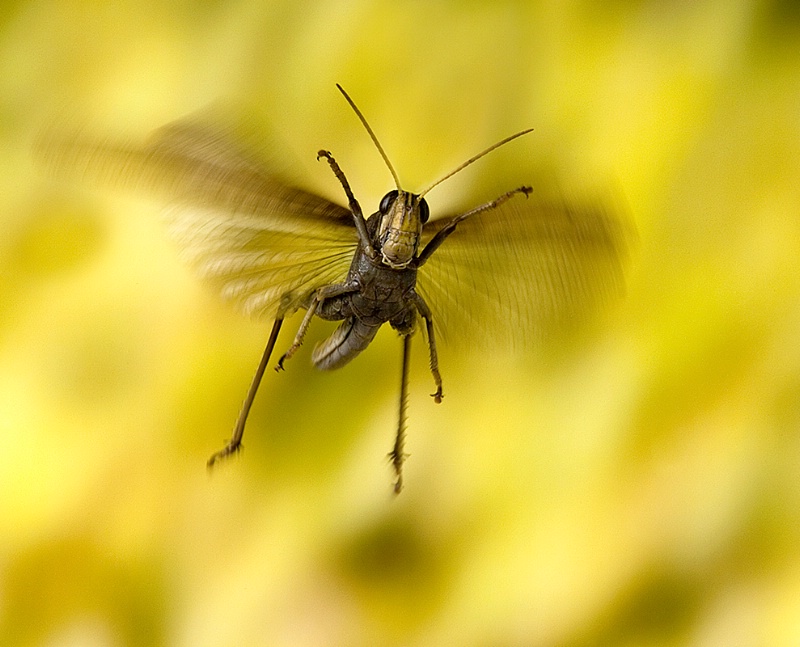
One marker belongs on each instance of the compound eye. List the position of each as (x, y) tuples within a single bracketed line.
[(424, 211), (387, 201)]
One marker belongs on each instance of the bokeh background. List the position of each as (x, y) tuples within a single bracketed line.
[(639, 485)]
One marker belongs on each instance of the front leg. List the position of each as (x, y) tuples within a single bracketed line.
[(425, 311), (450, 227), (355, 208)]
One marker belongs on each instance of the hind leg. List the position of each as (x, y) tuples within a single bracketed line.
[(398, 456), (236, 438)]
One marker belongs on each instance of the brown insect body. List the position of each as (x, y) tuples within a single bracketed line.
[(377, 293)]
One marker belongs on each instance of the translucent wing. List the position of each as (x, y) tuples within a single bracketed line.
[(265, 244), (518, 272)]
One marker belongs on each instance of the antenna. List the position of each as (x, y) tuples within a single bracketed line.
[(475, 158), (374, 138)]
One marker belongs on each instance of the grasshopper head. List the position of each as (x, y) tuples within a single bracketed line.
[(402, 216)]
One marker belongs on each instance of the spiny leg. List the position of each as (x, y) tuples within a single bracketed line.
[(397, 455), (236, 438), (355, 208), (301, 333), (425, 311), (319, 296), (450, 227), (437, 378)]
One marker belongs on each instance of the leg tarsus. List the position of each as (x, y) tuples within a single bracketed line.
[(231, 448), (397, 458)]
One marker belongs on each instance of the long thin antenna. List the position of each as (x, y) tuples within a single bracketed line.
[(372, 134), (475, 158)]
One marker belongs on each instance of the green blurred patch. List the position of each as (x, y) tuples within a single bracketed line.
[(54, 236), (63, 581), (395, 568), (658, 608), (58, 235)]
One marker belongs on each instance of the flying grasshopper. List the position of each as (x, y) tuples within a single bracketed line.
[(508, 267)]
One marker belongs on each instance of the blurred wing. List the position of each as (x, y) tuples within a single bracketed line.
[(522, 270), (264, 244)]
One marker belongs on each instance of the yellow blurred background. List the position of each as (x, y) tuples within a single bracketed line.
[(638, 487)]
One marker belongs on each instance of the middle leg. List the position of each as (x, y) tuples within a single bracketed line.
[(317, 298), (425, 311)]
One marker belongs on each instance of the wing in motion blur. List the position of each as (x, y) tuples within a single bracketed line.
[(264, 244), (512, 274)]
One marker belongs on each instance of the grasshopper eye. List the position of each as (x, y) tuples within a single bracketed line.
[(424, 211), (386, 202)]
